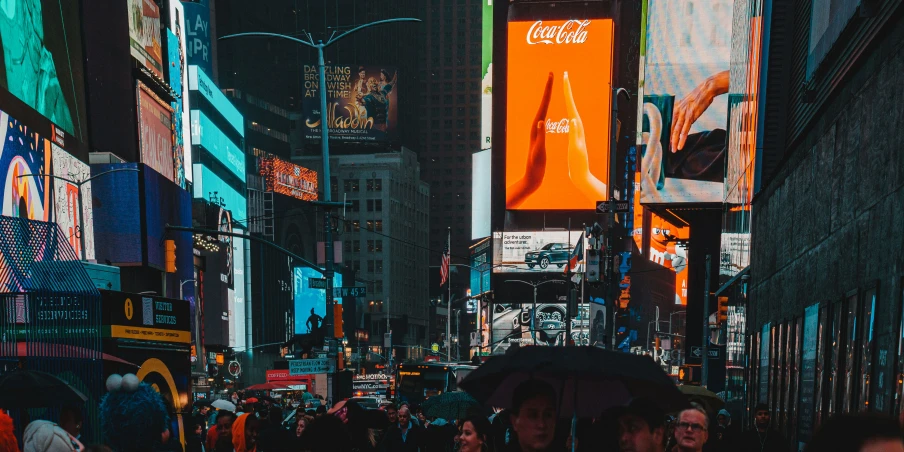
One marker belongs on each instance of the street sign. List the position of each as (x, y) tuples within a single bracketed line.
[(697, 352), (310, 366), (317, 283), (342, 292), (434, 347), (605, 206)]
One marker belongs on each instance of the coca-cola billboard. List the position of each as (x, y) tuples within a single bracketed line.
[(558, 113), (361, 103)]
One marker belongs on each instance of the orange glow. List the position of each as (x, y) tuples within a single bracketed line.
[(289, 179), (571, 171)]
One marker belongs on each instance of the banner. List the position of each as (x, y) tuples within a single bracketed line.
[(197, 25), (362, 102), (145, 317), (156, 138), (178, 59), (66, 201), (289, 179), (533, 251), (558, 114), (144, 34)]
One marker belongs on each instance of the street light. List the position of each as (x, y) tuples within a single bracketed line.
[(325, 150), (533, 315), (78, 188)]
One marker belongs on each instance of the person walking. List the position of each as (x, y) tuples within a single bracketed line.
[(406, 436), (475, 435), (533, 417), (763, 438), (641, 427), (692, 430)]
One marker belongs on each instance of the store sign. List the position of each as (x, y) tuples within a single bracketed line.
[(289, 179), (144, 34), (310, 366), (145, 318)]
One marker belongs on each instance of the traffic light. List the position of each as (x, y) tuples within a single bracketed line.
[(658, 341), (723, 310), (337, 320), (170, 256), (340, 361), (689, 373)]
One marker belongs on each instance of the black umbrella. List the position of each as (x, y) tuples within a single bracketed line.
[(202, 402), (451, 406), (587, 380), (35, 389)]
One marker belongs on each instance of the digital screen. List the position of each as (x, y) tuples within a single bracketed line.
[(481, 265), (206, 134), (66, 200), (682, 130), (558, 114), (206, 182), (666, 250), (481, 193), (42, 60), (289, 179), (144, 34), (310, 304), (486, 78), (362, 102), (179, 60), (174, 46), (197, 24), (534, 251), (115, 217), (21, 165), (166, 203), (200, 82), (512, 324), (155, 119)]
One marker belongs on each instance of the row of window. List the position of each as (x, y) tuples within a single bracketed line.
[(373, 205), (372, 266), (354, 246), (354, 185), (370, 225)]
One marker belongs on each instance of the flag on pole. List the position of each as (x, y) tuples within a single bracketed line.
[(576, 255), (444, 268)]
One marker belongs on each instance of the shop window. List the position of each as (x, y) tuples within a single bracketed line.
[(867, 344)]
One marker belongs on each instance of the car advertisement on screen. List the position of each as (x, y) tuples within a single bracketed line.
[(155, 119), (144, 34), (514, 324), (362, 102), (534, 251), (558, 114), (683, 115)]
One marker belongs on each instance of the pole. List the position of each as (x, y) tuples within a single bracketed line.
[(81, 226), (533, 317), (458, 335), (449, 300), (704, 366), (479, 308), (570, 297)]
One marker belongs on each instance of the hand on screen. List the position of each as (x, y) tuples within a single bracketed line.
[(536, 156), (688, 110), (578, 158)]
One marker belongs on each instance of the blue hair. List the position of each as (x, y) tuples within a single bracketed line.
[(133, 421)]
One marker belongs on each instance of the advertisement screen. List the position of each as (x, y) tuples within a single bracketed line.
[(115, 218), (481, 193), (179, 61), (156, 138), (362, 102), (23, 153), (310, 304), (684, 112), (207, 135), (512, 324), (289, 179), (174, 53), (144, 34), (668, 247), (481, 265), (197, 24), (42, 60), (534, 251), (66, 200), (200, 82), (206, 181), (165, 203), (486, 77), (558, 117)]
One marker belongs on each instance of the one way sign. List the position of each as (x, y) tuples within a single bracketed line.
[(607, 206), (697, 352)]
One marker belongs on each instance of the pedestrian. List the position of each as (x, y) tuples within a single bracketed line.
[(327, 434), (692, 430), (294, 442), (360, 424), (244, 433), (533, 416), (220, 436), (865, 432), (723, 435), (71, 420), (475, 435), (193, 441), (7, 433), (272, 435), (439, 435), (763, 438), (201, 416), (405, 436), (45, 436), (641, 427)]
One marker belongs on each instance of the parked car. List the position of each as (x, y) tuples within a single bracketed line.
[(551, 253)]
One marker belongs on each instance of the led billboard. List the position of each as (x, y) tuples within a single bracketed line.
[(207, 135), (481, 193), (144, 34), (682, 122), (512, 324), (533, 251), (22, 185), (486, 77), (288, 179), (155, 119), (178, 62), (207, 182), (310, 304), (42, 61), (66, 200), (558, 114), (200, 82), (362, 102), (197, 24)]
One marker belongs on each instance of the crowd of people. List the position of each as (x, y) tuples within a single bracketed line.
[(133, 419)]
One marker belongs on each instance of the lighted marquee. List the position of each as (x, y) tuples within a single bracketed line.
[(289, 179)]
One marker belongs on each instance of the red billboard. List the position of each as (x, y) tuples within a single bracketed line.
[(289, 179), (155, 119)]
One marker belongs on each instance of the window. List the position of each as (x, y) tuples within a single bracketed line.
[(370, 205), (370, 266), (352, 246), (827, 21), (378, 266), (355, 265), (378, 226), (378, 205), (354, 206), (334, 184), (850, 354), (867, 341), (352, 185), (378, 287)]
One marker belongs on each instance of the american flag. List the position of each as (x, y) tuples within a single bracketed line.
[(444, 268)]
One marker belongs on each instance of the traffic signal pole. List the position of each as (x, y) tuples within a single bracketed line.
[(704, 365)]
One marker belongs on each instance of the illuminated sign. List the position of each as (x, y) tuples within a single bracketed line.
[(206, 181), (310, 304), (156, 138), (178, 61), (486, 82), (207, 135), (558, 114), (362, 102), (289, 179), (197, 23), (533, 251), (200, 82), (66, 201), (685, 65), (146, 318), (144, 34)]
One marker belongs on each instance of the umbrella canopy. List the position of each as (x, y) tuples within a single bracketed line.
[(266, 387), (698, 393), (34, 389), (201, 402), (587, 380), (223, 405), (251, 400), (451, 406)]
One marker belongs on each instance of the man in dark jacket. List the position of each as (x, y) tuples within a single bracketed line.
[(762, 438), (405, 436)]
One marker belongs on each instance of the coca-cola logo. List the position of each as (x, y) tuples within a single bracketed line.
[(560, 126), (571, 32)]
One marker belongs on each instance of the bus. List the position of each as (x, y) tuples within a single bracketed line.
[(417, 382)]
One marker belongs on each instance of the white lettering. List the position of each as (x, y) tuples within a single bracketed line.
[(571, 32), (560, 126)]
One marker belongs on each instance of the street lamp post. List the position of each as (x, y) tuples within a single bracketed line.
[(327, 203), (533, 316), (78, 188)]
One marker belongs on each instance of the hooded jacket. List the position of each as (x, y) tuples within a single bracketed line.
[(238, 434), (45, 436)]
